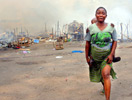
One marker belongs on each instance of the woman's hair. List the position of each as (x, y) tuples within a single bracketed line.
[(101, 8)]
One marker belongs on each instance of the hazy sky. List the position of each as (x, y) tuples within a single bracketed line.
[(33, 14)]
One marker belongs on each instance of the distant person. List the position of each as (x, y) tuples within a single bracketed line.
[(99, 37)]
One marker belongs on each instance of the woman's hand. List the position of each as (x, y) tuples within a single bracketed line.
[(88, 61), (109, 59)]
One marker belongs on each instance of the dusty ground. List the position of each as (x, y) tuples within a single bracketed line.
[(39, 75)]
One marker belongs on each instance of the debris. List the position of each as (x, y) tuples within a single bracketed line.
[(36, 41), (131, 86), (77, 51), (54, 69), (27, 76), (16, 47), (129, 47), (40, 67), (58, 45), (66, 79), (120, 47), (59, 56), (68, 40), (28, 52), (54, 49), (126, 63), (25, 49), (25, 52), (23, 42)]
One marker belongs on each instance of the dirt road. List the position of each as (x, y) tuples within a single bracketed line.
[(39, 75)]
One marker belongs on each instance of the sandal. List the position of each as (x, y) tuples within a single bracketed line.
[(102, 92)]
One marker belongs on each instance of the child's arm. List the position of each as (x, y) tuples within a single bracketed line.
[(110, 57), (114, 45)]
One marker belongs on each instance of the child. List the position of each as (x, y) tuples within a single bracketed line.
[(94, 20), (98, 39)]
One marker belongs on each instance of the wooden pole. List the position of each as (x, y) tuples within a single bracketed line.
[(121, 32)]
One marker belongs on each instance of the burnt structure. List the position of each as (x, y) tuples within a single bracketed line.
[(76, 30)]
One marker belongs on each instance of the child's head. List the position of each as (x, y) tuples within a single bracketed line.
[(94, 20), (101, 14)]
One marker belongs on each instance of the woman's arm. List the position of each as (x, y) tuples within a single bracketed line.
[(87, 48)]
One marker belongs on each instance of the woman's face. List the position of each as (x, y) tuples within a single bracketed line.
[(101, 15)]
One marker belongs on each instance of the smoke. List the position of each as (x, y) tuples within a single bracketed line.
[(34, 14)]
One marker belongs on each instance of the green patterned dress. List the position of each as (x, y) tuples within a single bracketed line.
[(101, 43)]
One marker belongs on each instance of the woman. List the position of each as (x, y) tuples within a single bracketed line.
[(99, 38)]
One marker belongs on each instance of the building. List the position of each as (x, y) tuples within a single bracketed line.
[(76, 30)]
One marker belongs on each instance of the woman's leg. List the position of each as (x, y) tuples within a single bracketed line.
[(107, 82)]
